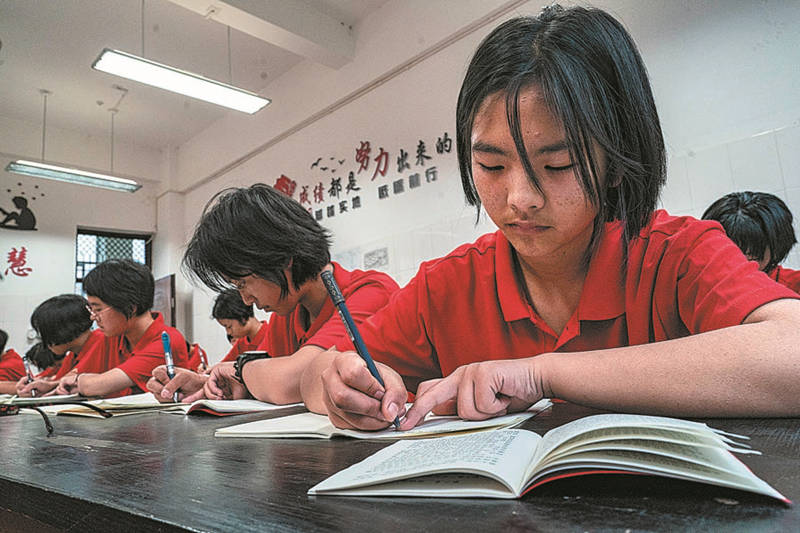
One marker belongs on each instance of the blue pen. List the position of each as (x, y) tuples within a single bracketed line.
[(168, 359), (350, 326)]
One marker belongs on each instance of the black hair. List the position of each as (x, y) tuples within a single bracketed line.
[(594, 80), (61, 319), (756, 221), (3, 341), (41, 356), (256, 231), (229, 304), (125, 285)]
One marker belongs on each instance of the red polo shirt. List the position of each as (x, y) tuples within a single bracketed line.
[(364, 293), (138, 361), (683, 277), (245, 344), (94, 348), (11, 366), (786, 277)]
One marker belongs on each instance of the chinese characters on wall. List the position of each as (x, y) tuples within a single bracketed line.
[(337, 189)]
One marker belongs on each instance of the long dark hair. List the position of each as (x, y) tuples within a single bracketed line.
[(594, 80)]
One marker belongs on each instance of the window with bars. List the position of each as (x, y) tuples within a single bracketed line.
[(94, 247)]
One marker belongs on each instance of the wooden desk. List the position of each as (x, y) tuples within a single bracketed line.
[(161, 472)]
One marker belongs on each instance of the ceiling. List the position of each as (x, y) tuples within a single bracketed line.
[(47, 44)]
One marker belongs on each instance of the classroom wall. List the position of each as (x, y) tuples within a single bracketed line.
[(723, 75), (60, 208)]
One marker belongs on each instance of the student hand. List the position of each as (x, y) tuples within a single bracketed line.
[(185, 383), (222, 385), (68, 384), (479, 391), (39, 386), (355, 399)]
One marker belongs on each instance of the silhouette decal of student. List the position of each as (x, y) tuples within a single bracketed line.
[(24, 219)]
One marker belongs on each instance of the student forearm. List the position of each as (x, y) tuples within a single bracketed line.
[(311, 388), (103, 384), (8, 387), (277, 380), (747, 370)]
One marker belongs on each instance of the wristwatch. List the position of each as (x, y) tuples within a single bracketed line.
[(243, 359)]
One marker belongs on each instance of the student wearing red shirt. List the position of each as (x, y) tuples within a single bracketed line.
[(120, 295), (11, 366), (64, 325), (271, 249), (761, 226), (585, 293), (239, 322)]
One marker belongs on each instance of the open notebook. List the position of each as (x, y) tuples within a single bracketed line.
[(147, 403), (510, 462), (314, 426)]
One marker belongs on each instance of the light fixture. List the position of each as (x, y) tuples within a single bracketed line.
[(68, 174), (137, 68), (178, 81)]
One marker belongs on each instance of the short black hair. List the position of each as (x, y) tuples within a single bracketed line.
[(3, 341), (756, 221), (594, 80), (61, 319), (229, 304), (124, 284), (258, 231), (41, 356)]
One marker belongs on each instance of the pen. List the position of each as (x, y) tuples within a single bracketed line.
[(168, 359), (350, 326), (29, 373)]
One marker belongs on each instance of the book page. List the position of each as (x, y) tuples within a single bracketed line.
[(501, 455), (556, 437), (37, 400), (726, 471)]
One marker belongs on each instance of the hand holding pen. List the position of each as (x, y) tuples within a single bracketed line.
[(350, 326), (168, 360)]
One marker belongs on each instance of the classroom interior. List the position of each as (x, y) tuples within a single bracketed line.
[(354, 85)]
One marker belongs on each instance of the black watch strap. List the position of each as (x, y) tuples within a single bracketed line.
[(243, 359)]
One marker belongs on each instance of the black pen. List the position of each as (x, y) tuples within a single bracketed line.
[(29, 373), (168, 360), (350, 326)]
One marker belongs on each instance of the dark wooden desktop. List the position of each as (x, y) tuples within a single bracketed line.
[(160, 472)]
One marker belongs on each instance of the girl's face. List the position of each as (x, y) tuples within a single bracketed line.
[(544, 226), (233, 327), (110, 321), (267, 295)]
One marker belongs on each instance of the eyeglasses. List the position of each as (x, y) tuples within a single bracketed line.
[(95, 312)]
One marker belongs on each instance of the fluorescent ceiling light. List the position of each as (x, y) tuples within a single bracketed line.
[(178, 81), (72, 175)]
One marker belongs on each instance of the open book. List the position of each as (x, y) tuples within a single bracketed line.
[(9, 399), (510, 462), (147, 403), (314, 426)]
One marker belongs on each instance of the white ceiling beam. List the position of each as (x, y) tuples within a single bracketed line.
[(292, 25)]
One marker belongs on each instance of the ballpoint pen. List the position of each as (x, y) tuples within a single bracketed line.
[(350, 326), (168, 360)]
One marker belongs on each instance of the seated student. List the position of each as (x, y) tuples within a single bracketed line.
[(586, 293), (120, 295), (272, 251), (64, 325), (761, 226), (240, 323), (11, 366)]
